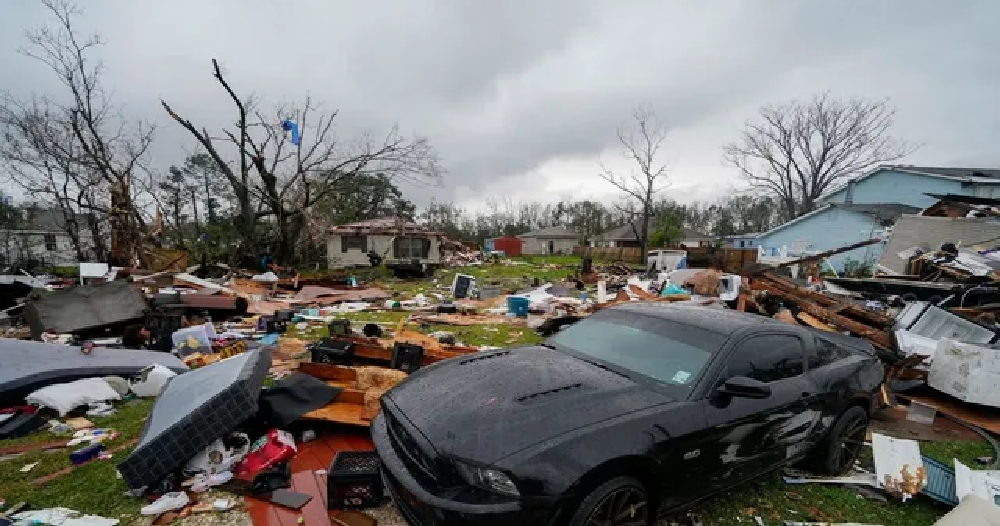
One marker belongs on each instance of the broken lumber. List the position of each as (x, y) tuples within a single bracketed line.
[(877, 337), (870, 317)]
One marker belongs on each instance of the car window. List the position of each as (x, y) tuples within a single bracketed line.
[(826, 353), (767, 358), (671, 353)]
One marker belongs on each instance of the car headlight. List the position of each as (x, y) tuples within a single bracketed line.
[(488, 479)]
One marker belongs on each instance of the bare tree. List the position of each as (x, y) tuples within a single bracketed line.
[(798, 151), (285, 179), (81, 156), (642, 142)]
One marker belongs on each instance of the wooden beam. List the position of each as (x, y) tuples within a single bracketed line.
[(877, 337), (833, 305)]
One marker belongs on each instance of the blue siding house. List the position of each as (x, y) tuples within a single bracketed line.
[(908, 184), (867, 207)]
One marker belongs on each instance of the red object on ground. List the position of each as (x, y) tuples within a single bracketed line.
[(510, 246), (277, 446), (312, 456)]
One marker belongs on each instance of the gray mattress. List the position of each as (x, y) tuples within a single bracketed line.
[(28, 365)]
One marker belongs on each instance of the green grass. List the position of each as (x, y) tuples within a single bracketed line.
[(93, 488)]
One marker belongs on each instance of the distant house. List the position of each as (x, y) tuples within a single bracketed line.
[(551, 240), (395, 241), (41, 236), (748, 240), (832, 226), (625, 237)]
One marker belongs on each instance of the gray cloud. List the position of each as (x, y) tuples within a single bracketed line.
[(503, 87)]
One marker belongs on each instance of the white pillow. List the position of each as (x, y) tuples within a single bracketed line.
[(67, 397)]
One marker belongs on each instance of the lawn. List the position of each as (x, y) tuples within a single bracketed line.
[(94, 487)]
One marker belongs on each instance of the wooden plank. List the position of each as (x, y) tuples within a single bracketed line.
[(325, 371), (811, 321), (833, 305), (877, 337), (340, 413), (984, 417)]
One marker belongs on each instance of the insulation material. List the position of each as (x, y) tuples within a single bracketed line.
[(967, 372), (898, 465)]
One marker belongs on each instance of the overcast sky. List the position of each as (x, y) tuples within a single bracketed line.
[(522, 97)]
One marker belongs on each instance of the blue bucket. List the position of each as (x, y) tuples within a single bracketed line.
[(517, 306)]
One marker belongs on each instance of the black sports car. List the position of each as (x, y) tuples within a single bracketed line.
[(635, 410)]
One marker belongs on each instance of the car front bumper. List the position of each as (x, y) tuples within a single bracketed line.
[(421, 508)]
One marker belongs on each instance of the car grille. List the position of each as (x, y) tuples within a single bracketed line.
[(409, 450)]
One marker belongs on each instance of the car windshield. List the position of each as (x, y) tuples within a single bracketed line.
[(671, 353)]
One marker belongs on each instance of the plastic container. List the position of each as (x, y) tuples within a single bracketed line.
[(86, 454), (275, 447), (192, 339), (518, 306), (353, 480)]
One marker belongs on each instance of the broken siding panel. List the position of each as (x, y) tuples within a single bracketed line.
[(931, 233)]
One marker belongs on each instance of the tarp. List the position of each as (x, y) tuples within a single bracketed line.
[(84, 308), (26, 365)]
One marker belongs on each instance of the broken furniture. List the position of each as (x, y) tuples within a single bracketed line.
[(361, 389), (86, 309), (193, 410), (27, 365)]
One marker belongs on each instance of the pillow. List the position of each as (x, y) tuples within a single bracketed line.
[(67, 397)]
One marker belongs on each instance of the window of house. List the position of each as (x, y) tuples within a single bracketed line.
[(985, 190), (353, 243), (411, 247), (767, 358), (50, 242)]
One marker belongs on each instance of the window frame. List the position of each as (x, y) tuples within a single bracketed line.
[(722, 373), (53, 245), (423, 247), (348, 243)]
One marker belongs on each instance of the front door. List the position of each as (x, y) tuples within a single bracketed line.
[(552, 247), (746, 436)]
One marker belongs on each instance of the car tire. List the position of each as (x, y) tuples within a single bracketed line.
[(610, 503), (837, 452)]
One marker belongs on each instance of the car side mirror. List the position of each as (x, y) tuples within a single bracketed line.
[(744, 387)]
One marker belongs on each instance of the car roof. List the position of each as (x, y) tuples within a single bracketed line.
[(723, 321)]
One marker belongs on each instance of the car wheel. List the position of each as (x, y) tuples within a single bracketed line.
[(621, 501), (838, 452)]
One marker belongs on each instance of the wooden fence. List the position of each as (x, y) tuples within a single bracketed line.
[(727, 259)]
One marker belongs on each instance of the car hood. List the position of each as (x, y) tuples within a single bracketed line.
[(489, 405)]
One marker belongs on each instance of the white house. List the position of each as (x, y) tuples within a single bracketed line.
[(41, 237), (551, 240), (396, 241)]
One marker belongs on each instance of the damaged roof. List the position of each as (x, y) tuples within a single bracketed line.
[(383, 226), (885, 213)]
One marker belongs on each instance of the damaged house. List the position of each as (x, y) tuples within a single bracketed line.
[(397, 242), (868, 207)]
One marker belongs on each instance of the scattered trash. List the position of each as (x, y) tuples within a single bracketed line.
[(167, 502)]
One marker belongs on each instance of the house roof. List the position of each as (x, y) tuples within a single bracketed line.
[(929, 233), (883, 212), (966, 199), (627, 233), (383, 226), (552, 232), (976, 175)]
